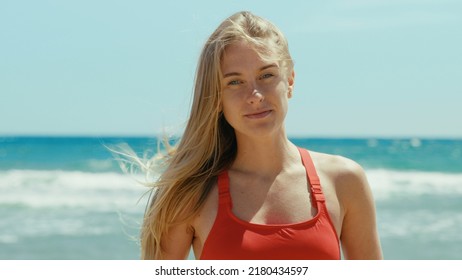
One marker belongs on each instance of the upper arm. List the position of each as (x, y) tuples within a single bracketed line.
[(176, 244), (359, 236)]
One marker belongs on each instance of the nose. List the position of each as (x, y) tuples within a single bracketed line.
[(255, 96)]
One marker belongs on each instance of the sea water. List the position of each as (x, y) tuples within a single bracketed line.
[(66, 197)]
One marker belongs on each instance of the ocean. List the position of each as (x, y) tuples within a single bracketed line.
[(66, 197)]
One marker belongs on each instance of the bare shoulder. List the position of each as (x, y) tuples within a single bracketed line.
[(346, 177), (343, 171)]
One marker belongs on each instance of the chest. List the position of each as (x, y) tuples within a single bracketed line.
[(280, 200)]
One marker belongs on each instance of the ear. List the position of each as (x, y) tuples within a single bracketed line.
[(290, 81)]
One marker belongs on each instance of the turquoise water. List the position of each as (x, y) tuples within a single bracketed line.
[(65, 198)]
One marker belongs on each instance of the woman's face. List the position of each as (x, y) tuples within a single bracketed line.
[(255, 92)]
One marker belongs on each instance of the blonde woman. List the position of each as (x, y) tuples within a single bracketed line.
[(234, 186)]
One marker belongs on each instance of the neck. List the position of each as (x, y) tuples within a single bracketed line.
[(266, 156)]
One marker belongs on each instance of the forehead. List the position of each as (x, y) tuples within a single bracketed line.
[(242, 55)]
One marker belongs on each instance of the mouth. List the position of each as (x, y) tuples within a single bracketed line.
[(259, 115)]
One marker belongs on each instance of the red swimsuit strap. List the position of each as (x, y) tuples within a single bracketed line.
[(312, 175)]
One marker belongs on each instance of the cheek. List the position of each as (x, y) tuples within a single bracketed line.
[(228, 107), (284, 95), (231, 100)]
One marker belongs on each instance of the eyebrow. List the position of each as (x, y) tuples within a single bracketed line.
[(261, 69)]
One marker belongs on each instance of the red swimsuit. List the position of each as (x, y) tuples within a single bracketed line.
[(231, 238)]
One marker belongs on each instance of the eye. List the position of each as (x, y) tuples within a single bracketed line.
[(234, 83), (266, 76)]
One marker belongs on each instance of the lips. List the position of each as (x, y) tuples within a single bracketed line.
[(258, 115)]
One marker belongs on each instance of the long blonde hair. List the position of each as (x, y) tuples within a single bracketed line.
[(208, 144)]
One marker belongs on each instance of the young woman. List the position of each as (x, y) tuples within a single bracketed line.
[(235, 187)]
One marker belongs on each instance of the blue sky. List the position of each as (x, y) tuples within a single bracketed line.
[(383, 68)]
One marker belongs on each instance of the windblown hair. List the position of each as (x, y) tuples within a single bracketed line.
[(208, 144)]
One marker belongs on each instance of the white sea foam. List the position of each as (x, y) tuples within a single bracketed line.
[(386, 183), (56, 188), (417, 205)]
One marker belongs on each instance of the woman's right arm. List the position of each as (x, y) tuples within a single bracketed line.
[(177, 243)]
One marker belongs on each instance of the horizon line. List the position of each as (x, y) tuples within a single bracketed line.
[(314, 136)]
